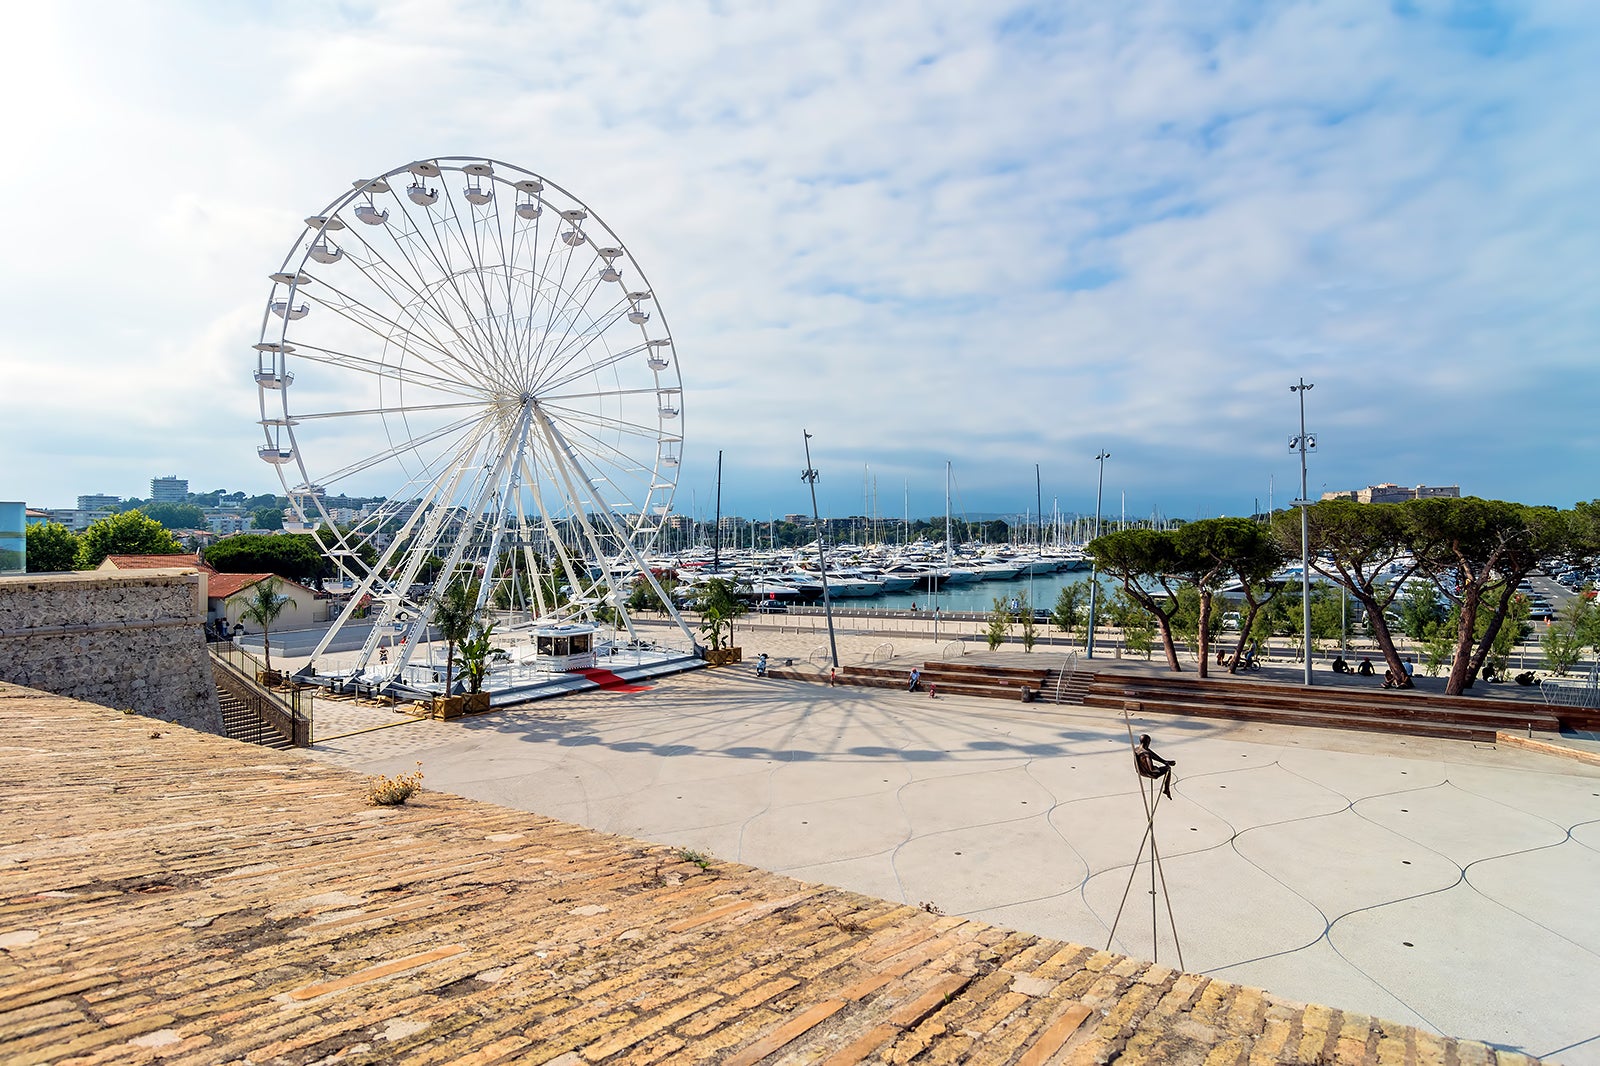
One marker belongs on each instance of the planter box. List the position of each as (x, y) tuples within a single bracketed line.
[(724, 656), (449, 706), (476, 701)]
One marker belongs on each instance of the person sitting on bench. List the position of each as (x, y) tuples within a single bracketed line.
[(1153, 766)]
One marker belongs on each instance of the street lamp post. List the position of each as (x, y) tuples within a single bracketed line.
[(1094, 566), (809, 476), (1302, 444)]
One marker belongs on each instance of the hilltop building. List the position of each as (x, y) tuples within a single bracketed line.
[(168, 489), (97, 501), (1391, 493)]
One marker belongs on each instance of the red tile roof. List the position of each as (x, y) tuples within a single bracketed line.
[(155, 562), (221, 586)]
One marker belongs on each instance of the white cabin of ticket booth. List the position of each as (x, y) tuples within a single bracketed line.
[(559, 649)]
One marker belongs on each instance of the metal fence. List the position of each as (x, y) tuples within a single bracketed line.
[(287, 710)]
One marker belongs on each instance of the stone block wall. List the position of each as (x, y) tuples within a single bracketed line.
[(131, 640)]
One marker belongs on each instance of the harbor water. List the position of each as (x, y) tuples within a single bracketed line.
[(1040, 591)]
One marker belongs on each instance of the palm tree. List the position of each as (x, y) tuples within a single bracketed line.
[(453, 616), (263, 608)]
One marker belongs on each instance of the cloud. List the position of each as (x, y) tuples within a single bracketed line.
[(1003, 236)]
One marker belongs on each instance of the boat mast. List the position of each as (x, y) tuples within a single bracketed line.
[(949, 555)]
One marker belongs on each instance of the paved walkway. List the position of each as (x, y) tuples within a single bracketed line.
[(1437, 883)]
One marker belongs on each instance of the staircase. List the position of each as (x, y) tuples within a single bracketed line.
[(240, 722), (251, 712), (1330, 707)]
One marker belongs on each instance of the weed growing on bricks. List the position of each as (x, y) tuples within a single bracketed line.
[(393, 791)]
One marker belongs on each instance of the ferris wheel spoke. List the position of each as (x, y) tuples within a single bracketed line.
[(620, 465), (439, 251), (415, 294), (565, 398), (572, 354), (554, 357), (402, 409), (402, 375), (557, 306), (365, 317), (421, 297), (612, 359), (473, 270), (395, 450), (425, 323)]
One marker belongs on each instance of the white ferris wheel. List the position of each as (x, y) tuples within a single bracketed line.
[(471, 343)]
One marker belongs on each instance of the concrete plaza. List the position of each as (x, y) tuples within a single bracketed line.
[(1437, 883)]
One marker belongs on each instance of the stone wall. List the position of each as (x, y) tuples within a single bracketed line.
[(131, 640)]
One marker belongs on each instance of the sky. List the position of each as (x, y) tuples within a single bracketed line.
[(1002, 236)]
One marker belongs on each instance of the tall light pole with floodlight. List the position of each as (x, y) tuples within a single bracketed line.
[(1094, 567), (1304, 443)]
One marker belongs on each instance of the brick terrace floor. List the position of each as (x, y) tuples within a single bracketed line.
[(176, 897)]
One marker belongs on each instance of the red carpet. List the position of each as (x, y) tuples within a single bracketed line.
[(611, 682)]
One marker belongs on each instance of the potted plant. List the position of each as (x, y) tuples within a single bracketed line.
[(453, 618), (475, 654), (719, 606)]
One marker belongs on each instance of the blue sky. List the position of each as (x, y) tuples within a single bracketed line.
[(996, 235)]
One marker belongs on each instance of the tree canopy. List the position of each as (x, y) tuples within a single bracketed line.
[(127, 533), (295, 556), (52, 547), (176, 515), (1135, 557)]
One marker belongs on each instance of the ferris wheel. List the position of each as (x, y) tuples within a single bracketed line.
[(469, 345)]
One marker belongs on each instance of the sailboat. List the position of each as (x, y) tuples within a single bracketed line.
[(951, 574)]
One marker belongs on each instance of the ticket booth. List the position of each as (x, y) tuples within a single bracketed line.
[(559, 649)]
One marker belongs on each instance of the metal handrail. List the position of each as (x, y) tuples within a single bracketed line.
[(1068, 671), (1560, 692), (291, 717)]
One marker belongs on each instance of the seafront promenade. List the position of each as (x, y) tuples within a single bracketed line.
[(1426, 881)]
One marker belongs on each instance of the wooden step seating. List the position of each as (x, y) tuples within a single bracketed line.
[(953, 679), (1413, 713)]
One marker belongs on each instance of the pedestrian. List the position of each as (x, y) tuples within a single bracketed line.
[(1153, 766), (761, 665), (832, 676), (933, 693), (916, 676)]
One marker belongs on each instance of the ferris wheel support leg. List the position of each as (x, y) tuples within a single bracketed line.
[(558, 544), (509, 475), (366, 586), (555, 437), (419, 626)]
